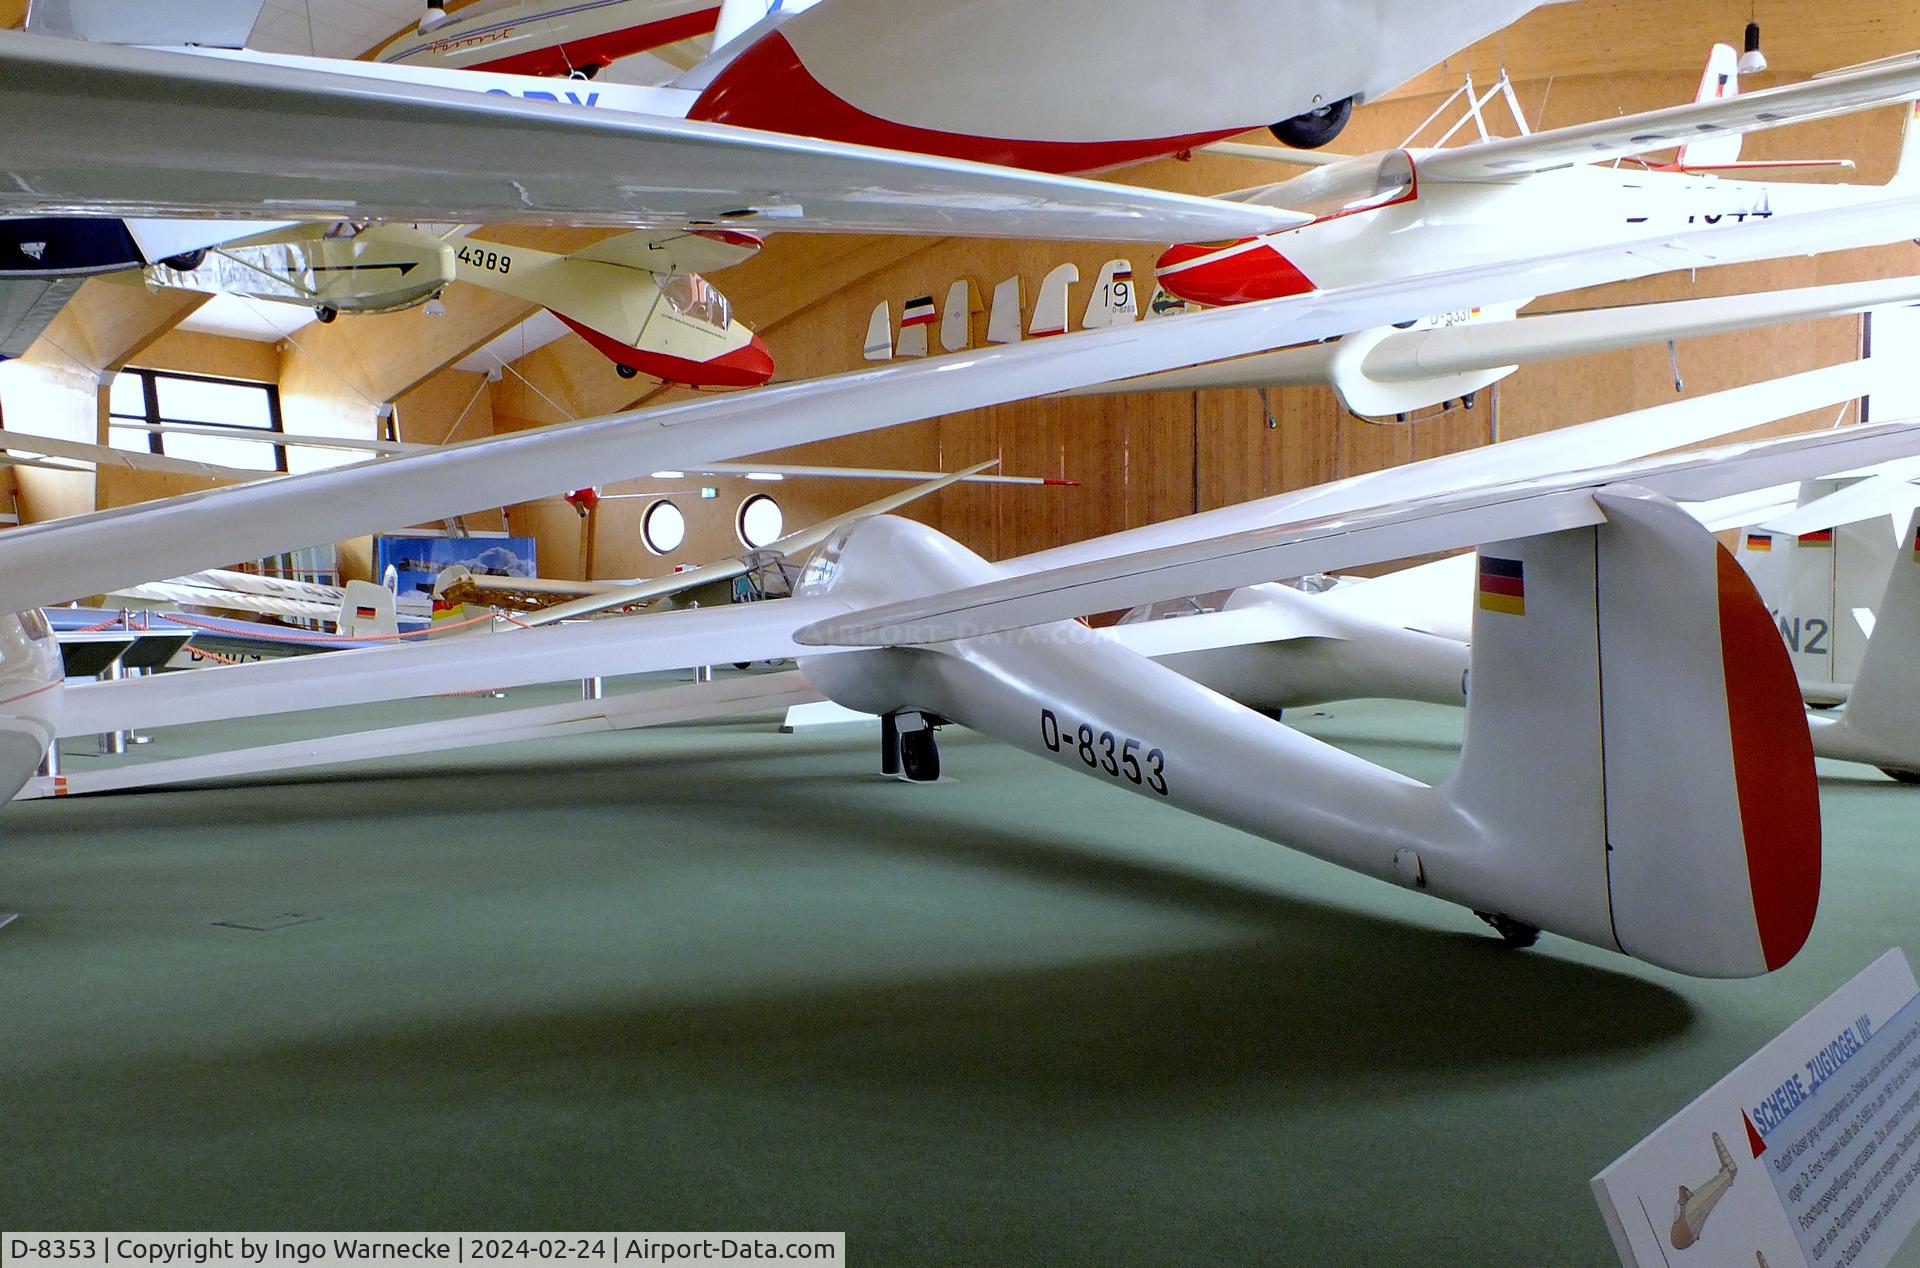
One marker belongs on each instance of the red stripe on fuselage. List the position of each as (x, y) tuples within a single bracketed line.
[(768, 87), (600, 50), (1772, 768)]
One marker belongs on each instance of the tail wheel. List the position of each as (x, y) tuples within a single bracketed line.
[(1903, 776), (1315, 128), (624, 371), (919, 756), (186, 261), (325, 314)]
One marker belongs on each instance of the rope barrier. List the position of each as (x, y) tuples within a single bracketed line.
[(216, 657)]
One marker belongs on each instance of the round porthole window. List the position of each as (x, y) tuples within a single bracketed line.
[(761, 521), (663, 527)]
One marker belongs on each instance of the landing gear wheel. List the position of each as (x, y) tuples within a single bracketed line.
[(1315, 128), (186, 261), (325, 314), (624, 371), (1903, 776), (1511, 931), (919, 756)]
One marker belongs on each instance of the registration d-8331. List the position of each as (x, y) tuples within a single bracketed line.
[(1120, 757)]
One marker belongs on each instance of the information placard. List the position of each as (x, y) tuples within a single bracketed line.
[(1806, 1155)]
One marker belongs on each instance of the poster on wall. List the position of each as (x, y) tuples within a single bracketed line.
[(418, 559)]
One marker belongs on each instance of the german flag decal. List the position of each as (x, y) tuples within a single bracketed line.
[(1916, 543), (1760, 541), (364, 613), (1503, 586), (1820, 540), (918, 312)]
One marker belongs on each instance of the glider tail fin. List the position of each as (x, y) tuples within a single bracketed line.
[(1636, 757), (1720, 80), (1884, 705), (1726, 1159), (367, 609)]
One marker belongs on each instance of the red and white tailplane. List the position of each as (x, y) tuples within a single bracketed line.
[(1720, 80)]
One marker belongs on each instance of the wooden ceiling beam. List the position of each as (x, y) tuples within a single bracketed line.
[(108, 323)]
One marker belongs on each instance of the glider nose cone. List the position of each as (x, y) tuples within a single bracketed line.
[(749, 365), (1229, 273)]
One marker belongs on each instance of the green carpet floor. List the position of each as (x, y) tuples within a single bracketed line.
[(715, 977)]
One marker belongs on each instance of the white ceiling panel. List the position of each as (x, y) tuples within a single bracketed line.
[(238, 318), (331, 28), (530, 335)]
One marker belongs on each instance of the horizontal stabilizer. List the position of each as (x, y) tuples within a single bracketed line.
[(1891, 492), (1748, 166), (1666, 129)]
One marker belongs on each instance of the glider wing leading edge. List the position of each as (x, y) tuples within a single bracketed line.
[(102, 130)]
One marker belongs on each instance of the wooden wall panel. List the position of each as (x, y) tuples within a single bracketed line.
[(192, 352)]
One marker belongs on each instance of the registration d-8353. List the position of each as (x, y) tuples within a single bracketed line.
[(1120, 757)]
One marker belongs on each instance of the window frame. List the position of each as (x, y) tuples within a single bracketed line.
[(646, 520), (740, 520), (156, 440)]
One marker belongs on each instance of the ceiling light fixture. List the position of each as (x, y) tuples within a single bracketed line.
[(1753, 61)]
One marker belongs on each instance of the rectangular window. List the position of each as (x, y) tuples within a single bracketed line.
[(197, 418)]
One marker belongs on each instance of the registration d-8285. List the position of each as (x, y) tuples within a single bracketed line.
[(1119, 757)]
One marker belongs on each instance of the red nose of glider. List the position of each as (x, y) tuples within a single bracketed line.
[(1229, 273)]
